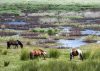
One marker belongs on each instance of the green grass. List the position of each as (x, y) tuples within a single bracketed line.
[(53, 1), (18, 6), (12, 1), (91, 60)]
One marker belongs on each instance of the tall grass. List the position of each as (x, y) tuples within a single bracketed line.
[(4, 52), (24, 54), (58, 65), (54, 53), (29, 66)]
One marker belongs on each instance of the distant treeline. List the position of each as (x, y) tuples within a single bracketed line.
[(30, 8)]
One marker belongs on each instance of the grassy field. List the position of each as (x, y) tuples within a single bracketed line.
[(53, 1), (12, 1), (18, 6), (59, 63)]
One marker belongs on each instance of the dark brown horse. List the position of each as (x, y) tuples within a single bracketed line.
[(36, 53), (14, 43), (76, 52)]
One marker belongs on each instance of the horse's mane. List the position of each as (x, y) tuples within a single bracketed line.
[(41, 50), (20, 43)]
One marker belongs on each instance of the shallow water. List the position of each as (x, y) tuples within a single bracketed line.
[(90, 32), (84, 32), (71, 43), (15, 22)]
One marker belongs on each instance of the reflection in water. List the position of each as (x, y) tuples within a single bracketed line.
[(71, 43)]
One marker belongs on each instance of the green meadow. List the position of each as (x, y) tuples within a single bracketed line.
[(56, 59), (19, 6)]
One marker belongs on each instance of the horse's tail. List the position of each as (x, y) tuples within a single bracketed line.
[(20, 43)]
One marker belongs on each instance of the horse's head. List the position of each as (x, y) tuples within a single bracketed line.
[(76, 52), (43, 52), (20, 43)]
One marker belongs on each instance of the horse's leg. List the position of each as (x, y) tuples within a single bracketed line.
[(81, 56), (71, 56), (43, 56), (8, 46), (31, 55), (16, 46)]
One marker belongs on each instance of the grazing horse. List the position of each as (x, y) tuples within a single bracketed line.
[(14, 43), (36, 53), (76, 52)]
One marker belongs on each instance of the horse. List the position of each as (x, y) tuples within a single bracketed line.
[(14, 43), (76, 52), (39, 52)]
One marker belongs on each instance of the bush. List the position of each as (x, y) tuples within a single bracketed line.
[(54, 53), (24, 54), (4, 52)]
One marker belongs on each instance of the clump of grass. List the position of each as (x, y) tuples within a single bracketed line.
[(4, 52), (90, 38), (95, 54), (86, 54), (24, 54), (54, 53), (0, 51), (6, 63), (28, 43)]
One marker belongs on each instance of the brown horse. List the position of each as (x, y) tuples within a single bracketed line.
[(76, 52), (36, 53), (14, 43)]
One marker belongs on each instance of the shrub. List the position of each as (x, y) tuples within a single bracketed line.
[(4, 52), (24, 54), (54, 53)]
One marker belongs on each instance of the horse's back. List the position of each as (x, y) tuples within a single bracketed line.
[(36, 52)]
